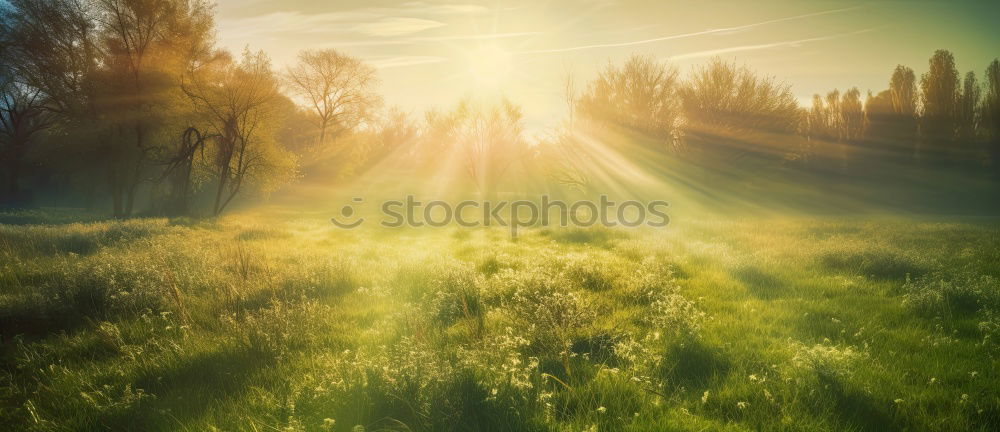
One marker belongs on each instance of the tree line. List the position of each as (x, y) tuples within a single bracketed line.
[(109, 103)]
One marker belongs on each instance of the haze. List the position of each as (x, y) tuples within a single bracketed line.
[(432, 53)]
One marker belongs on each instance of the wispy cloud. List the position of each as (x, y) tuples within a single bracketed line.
[(480, 36), (782, 44), (422, 39), (400, 61), (396, 26), (446, 9), (404, 19), (726, 30)]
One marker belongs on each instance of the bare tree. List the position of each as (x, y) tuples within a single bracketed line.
[(22, 117), (732, 111), (489, 138), (339, 89), (640, 96)]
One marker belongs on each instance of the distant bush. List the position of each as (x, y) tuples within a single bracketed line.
[(75, 238)]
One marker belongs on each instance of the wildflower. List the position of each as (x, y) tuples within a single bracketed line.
[(328, 423), (602, 409), (742, 405), (704, 397), (898, 401)]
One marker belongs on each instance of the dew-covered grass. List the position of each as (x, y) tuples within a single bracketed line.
[(261, 323)]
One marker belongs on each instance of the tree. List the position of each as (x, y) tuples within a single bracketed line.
[(488, 138), (108, 69), (991, 113), (967, 135), (852, 116), (640, 96), (140, 62), (940, 93), (339, 89), (237, 99), (731, 111), (903, 90), (837, 123), (22, 116), (882, 140), (902, 127), (55, 44)]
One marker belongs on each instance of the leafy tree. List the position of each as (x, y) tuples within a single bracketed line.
[(337, 88), (884, 143), (238, 101), (140, 66), (836, 123), (968, 114), (896, 128), (55, 43), (991, 112), (940, 94)]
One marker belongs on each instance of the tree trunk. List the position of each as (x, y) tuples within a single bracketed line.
[(10, 196), (115, 184), (217, 208)]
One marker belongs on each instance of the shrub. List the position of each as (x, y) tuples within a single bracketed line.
[(939, 295), (456, 296), (548, 311), (826, 361)]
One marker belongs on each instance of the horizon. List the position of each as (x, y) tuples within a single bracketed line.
[(432, 54)]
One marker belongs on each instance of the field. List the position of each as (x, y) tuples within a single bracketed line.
[(266, 321)]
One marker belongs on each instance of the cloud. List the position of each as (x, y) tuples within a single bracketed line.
[(400, 61), (400, 20), (726, 30), (396, 26), (472, 37), (783, 44), (445, 9)]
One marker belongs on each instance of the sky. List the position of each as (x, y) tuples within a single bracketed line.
[(434, 53)]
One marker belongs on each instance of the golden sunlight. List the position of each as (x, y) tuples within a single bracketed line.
[(499, 216), (489, 67)]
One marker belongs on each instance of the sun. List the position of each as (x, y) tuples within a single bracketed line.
[(489, 67)]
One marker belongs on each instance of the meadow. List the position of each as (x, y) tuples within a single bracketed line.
[(269, 321)]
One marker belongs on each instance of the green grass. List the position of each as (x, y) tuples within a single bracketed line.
[(257, 322)]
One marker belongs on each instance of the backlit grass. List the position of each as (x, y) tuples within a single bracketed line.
[(256, 322)]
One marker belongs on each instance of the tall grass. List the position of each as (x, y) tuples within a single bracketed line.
[(255, 324)]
